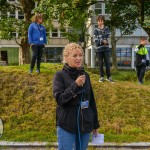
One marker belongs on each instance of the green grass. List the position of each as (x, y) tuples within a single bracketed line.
[(27, 106)]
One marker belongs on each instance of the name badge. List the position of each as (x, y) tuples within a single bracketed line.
[(41, 39), (84, 104)]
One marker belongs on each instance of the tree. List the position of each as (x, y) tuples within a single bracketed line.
[(144, 14), (74, 14), (127, 16), (9, 25), (71, 14), (123, 16)]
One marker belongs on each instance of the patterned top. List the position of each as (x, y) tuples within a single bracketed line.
[(99, 36)]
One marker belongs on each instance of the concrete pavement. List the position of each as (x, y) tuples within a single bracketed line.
[(53, 146)]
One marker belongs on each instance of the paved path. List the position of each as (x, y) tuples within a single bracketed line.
[(4, 145)]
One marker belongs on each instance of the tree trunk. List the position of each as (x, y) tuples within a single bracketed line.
[(142, 3), (24, 52), (113, 43), (147, 29), (24, 49)]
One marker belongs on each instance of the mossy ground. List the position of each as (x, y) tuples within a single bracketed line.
[(27, 106)]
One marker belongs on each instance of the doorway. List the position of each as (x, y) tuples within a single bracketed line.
[(4, 56)]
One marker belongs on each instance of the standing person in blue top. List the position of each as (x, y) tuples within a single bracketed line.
[(102, 50), (37, 40), (142, 59)]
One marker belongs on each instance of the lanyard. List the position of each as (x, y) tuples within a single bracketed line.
[(39, 28)]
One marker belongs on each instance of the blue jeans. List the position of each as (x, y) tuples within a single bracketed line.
[(70, 141)]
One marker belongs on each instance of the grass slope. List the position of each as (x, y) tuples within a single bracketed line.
[(27, 106)]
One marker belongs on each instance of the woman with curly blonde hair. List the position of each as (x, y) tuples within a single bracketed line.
[(76, 114)]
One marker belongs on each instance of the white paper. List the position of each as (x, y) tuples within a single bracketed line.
[(99, 139)]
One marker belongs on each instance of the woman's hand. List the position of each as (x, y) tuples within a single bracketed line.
[(80, 80), (95, 131)]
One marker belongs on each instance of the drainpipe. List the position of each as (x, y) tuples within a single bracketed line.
[(92, 57), (133, 58), (92, 49)]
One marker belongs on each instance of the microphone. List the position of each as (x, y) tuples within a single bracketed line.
[(81, 74)]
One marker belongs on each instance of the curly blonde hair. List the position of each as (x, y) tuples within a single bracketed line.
[(69, 48), (36, 17)]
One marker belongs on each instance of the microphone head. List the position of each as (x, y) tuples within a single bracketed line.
[(81, 71)]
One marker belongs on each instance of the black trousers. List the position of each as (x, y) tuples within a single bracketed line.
[(37, 51), (104, 57), (140, 72)]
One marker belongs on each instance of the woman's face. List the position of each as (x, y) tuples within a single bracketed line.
[(75, 58), (40, 20)]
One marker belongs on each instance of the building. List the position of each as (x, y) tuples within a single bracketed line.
[(56, 42), (125, 46), (9, 49)]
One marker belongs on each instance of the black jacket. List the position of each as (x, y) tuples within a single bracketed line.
[(68, 96), (142, 57)]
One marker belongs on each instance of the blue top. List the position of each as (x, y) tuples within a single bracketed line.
[(37, 34)]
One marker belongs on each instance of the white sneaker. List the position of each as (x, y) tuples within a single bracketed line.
[(30, 71), (38, 71), (101, 79), (110, 79)]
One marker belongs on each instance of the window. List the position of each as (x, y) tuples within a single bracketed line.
[(124, 56), (106, 9), (3, 13), (62, 32), (98, 8), (52, 54), (54, 33), (58, 32), (20, 15), (13, 34), (148, 48), (101, 8), (12, 14)]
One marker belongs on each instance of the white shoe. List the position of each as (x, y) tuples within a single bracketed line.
[(101, 79), (110, 79)]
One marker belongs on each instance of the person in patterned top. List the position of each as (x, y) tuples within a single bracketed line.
[(102, 49)]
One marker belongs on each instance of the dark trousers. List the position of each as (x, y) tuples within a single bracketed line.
[(140, 72), (37, 51), (104, 57)]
